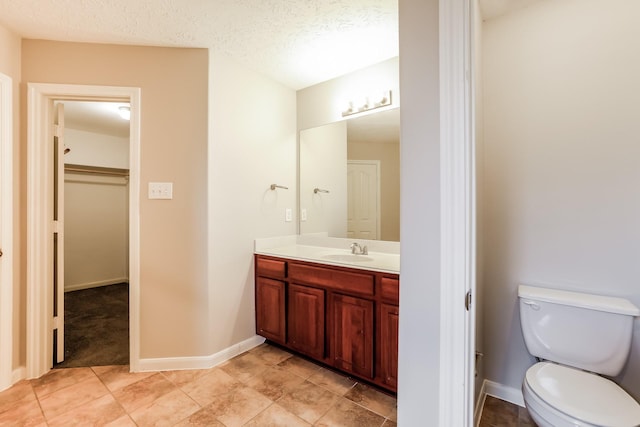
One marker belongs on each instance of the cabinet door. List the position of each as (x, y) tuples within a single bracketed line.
[(353, 334), (270, 309), (389, 344), (306, 320)]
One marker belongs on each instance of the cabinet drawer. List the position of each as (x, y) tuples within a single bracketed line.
[(357, 283), (271, 268), (390, 289)]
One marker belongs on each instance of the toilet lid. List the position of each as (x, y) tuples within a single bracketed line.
[(582, 395)]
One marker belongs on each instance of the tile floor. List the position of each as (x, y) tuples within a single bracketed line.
[(498, 413), (265, 386)]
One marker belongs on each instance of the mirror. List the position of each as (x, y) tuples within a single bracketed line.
[(350, 178)]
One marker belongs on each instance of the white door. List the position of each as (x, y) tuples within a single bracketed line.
[(58, 234), (6, 232), (363, 199)]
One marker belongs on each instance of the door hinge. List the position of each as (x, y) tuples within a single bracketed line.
[(467, 301)]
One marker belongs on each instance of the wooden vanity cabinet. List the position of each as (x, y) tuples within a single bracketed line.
[(388, 322), (270, 309), (343, 317), (306, 320), (389, 345), (352, 337), (270, 299)]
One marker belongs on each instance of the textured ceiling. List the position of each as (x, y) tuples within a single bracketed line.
[(296, 42)]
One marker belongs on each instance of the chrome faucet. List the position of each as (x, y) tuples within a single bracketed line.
[(356, 249)]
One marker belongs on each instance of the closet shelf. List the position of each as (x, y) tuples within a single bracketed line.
[(96, 170)]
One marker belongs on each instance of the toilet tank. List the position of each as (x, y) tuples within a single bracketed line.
[(589, 332)]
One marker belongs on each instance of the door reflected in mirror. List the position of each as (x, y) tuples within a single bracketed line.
[(350, 178)]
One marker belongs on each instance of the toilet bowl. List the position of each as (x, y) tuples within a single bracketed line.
[(579, 338), (561, 396)]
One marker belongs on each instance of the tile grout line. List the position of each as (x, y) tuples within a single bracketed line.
[(113, 396), (38, 400)]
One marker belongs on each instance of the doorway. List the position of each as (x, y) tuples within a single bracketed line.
[(40, 228), (363, 199), (93, 199)]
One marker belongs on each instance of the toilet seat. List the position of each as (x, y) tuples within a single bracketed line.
[(581, 396)]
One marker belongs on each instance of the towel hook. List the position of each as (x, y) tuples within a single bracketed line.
[(274, 186)]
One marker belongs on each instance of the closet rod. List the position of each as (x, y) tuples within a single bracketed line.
[(96, 170)]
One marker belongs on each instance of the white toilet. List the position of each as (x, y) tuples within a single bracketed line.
[(577, 336)]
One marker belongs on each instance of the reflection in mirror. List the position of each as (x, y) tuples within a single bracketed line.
[(355, 166)]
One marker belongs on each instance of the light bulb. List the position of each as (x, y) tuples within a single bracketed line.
[(124, 112)]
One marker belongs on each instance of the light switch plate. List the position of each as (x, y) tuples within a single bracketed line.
[(161, 190), (288, 215), (303, 214)]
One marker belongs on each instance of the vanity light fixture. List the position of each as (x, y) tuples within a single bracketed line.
[(125, 112), (369, 103)]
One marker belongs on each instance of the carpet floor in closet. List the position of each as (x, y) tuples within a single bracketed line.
[(96, 326)]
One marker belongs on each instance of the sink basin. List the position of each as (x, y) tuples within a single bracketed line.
[(347, 258)]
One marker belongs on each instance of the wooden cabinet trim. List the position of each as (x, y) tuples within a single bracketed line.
[(328, 277), (352, 334), (306, 320), (271, 267), (390, 289), (270, 309), (388, 349)]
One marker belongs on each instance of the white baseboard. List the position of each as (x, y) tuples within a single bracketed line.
[(477, 413), (198, 362), (501, 391), (89, 285)]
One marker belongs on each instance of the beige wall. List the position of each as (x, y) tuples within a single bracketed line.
[(173, 256), (562, 165), (389, 155), (252, 145), (323, 103), (323, 164), (96, 231), (96, 149), (10, 63)]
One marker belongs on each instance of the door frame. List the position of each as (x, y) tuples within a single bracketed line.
[(6, 231), (376, 163), (458, 215), (40, 98)]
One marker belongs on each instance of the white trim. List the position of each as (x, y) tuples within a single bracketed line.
[(199, 362), (6, 231), (457, 326), (40, 97), (503, 392), (97, 284), (18, 374), (477, 413)]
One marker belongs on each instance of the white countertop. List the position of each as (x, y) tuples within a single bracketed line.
[(382, 256)]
